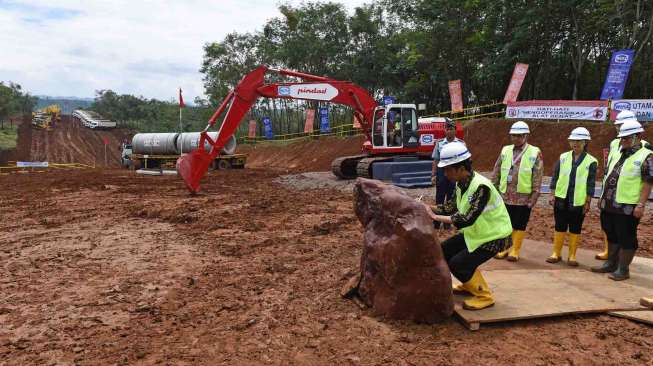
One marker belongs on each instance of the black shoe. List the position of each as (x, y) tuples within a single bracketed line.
[(623, 269), (610, 265)]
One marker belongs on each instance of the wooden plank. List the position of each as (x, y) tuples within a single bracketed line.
[(641, 316), (528, 294)]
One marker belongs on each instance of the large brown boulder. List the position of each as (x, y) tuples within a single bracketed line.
[(403, 271)]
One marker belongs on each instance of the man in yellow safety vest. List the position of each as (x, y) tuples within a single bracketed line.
[(626, 188), (517, 175)]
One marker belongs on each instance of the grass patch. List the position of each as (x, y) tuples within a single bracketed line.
[(8, 137)]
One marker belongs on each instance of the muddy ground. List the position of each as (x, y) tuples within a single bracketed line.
[(105, 267), (109, 267)]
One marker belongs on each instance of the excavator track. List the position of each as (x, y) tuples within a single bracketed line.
[(345, 167), (364, 167)]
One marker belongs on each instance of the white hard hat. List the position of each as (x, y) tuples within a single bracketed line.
[(624, 116), (519, 128), (580, 133), (630, 128), (453, 153)]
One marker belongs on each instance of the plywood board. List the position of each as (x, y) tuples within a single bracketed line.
[(528, 294), (641, 316)]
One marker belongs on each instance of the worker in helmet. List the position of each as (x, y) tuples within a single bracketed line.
[(444, 189), (517, 175), (478, 212), (573, 185), (614, 153), (626, 188)]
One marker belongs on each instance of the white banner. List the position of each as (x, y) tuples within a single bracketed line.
[(558, 109), (318, 91), (643, 108)]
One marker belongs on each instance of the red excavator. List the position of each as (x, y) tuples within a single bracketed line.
[(391, 130)]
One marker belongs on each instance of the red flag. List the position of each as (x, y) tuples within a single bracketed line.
[(455, 93), (181, 100), (252, 129), (518, 76), (308, 124), (106, 140)]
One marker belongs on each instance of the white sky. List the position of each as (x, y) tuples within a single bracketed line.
[(140, 47)]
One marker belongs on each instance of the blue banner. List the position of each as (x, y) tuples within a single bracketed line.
[(389, 99), (324, 120), (615, 82), (267, 124)]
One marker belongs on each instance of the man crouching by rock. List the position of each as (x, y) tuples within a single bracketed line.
[(480, 215)]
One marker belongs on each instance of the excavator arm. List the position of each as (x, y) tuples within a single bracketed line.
[(192, 167)]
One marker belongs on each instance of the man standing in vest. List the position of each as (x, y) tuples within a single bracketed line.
[(478, 212), (518, 176), (626, 188), (444, 189), (572, 184), (614, 153)]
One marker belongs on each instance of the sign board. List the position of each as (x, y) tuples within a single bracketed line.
[(643, 108), (455, 93), (267, 125), (310, 118), (324, 120), (32, 164), (389, 99), (516, 81), (615, 81), (587, 110), (312, 91)]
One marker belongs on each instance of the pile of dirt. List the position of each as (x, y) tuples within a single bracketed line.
[(485, 137), (70, 142)]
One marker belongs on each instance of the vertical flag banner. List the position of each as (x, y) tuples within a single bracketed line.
[(517, 79), (456, 95), (324, 120), (389, 99), (267, 125), (356, 123), (615, 82), (310, 117), (181, 100), (252, 129)]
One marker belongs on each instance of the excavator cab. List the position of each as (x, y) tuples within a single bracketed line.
[(395, 126)]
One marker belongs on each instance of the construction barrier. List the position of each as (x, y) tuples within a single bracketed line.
[(340, 131), (41, 166), (476, 112)]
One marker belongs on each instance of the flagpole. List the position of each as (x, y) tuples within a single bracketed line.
[(181, 128)]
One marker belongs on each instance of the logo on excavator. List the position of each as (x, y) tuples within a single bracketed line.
[(426, 139), (283, 91), (321, 91)]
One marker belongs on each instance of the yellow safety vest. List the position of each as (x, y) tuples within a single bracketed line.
[(494, 221), (582, 173), (630, 181), (524, 178)]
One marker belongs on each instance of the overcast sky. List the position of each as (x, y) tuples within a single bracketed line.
[(148, 48)]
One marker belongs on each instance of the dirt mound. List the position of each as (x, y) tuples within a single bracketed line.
[(305, 155), (70, 142), (484, 137)]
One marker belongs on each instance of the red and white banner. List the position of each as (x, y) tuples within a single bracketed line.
[(517, 79), (252, 129), (588, 110), (456, 95), (310, 117)]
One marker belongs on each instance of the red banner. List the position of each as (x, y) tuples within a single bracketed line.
[(181, 100), (252, 129), (456, 94), (310, 117), (356, 123), (518, 76)]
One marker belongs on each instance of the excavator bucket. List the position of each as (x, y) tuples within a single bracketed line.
[(192, 168)]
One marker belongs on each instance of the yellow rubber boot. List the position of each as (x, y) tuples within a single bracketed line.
[(502, 254), (460, 289), (558, 241), (481, 291), (574, 240), (517, 239), (604, 254)]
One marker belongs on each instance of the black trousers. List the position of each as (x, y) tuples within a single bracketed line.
[(519, 216), (568, 219), (462, 263), (621, 229)]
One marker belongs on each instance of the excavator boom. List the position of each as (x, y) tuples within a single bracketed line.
[(192, 167)]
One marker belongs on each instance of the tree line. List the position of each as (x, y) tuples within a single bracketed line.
[(14, 102), (411, 49)]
